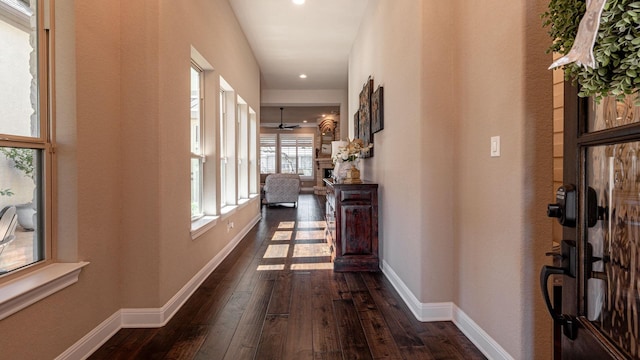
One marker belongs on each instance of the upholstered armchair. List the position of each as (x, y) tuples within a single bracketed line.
[(282, 188)]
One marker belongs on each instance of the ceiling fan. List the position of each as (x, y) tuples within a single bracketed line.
[(282, 126)]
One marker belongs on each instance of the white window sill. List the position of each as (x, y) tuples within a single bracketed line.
[(202, 225), (242, 202), (21, 292), (228, 210)]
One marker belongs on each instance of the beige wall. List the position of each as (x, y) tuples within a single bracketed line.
[(123, 184), (384, 51), (469, 71), (502, 233)]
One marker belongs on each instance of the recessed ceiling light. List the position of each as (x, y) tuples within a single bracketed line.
[(324, 115), (304, 121), (298, 2), (303, 76)]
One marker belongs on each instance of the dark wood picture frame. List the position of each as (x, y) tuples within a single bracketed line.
[(356, 124), (364, 111), (377, 110)]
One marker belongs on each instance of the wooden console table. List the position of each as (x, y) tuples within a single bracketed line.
[(352, 226)]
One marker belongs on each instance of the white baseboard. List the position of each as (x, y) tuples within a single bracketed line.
[(423, 312), (93, 340), (489, 347), (446, 311), (150, 317)]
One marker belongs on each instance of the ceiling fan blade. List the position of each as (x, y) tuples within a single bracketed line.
[(282, 126)]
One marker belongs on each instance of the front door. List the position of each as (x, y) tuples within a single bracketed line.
[(600, 314)]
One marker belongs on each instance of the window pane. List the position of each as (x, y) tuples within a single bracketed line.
[(267, 153), (197, 173), (18, 69), (305, 160), (223, 147), (296, 154), (21, 208), (288, 156), (196, 187), (196, 125)]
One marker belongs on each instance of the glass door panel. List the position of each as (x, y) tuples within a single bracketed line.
[(610, 113), (613, 285)]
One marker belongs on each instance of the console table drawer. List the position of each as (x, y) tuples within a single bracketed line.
[(359, 195)]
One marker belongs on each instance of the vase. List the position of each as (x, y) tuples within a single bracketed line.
[(353, 175), (340, 170), (26, 214)]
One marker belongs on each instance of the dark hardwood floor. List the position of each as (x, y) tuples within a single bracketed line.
[(275, 297)]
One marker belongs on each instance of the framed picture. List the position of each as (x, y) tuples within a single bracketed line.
[(325, 144), (377, 110), (364, 111), (356, 125), (325, 149)]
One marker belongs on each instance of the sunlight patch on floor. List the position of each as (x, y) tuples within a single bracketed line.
[(282, 236), (304, 231), (286, 225), (276, 251), (310, 235), (270, 267), (311, 224), (311, 250), (312, 266)]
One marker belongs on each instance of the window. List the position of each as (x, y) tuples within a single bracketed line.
[(24, 137), (228, 167), (197, 146), (223, 146), (253, 143), (296, 154), (243, 149), (268, 143)]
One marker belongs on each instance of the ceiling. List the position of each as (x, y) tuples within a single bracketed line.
[(314, 38)]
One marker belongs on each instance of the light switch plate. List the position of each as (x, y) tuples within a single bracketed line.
[(495, 146)]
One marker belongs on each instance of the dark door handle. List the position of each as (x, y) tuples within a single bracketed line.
[(568, 268), (544, 277)]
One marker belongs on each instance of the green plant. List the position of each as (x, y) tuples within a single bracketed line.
[(616, 51), (6, 192), (22, 159)]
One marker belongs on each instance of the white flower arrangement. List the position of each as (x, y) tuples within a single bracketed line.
[(351, 151)]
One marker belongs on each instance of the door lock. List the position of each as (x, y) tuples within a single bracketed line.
[(565, 207)]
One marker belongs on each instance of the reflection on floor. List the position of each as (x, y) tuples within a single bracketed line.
[(308, 251)]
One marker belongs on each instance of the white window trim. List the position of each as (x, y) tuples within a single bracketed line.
[(202, 225), (201, 155), (30, 288), (207, 219), (226, 211)]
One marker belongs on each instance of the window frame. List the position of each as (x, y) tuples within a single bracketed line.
[(32, 283), (209, 141), (201, 155), (242, 143), (228, 147), (253, 153), (44, 142), (223, 147)]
